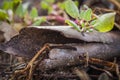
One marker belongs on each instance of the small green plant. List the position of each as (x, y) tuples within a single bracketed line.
[(86, 20)]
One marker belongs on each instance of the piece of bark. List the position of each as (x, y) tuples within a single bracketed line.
[(94, 36), (31, 39), (62, 57)]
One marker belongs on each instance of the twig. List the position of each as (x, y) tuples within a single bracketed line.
[(117, 25), (30, 67), (115, 2), (110, 65)]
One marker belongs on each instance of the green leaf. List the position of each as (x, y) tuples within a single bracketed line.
[(61, 5), (73, 24), (17, 1), (44, 5), (34, 12), (50, 1), (3, 15), (47, 5), (86, 14), (50, 9), (93, 22), (20, 11), (105, 22), (76, 3), (83, 25), (7, 5), (71, 9), (38, 22)]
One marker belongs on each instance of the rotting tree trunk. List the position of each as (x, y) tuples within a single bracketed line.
[(95, 44)]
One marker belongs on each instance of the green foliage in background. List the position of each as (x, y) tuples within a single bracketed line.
[(17, 8), (3, 15), (47, 5), (34, 13)]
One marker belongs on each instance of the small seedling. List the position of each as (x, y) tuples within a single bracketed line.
[(86, 21)]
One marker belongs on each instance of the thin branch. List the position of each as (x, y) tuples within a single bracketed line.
[(116, 3)]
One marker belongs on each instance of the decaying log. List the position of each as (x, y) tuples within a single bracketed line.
[(95, 44)]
